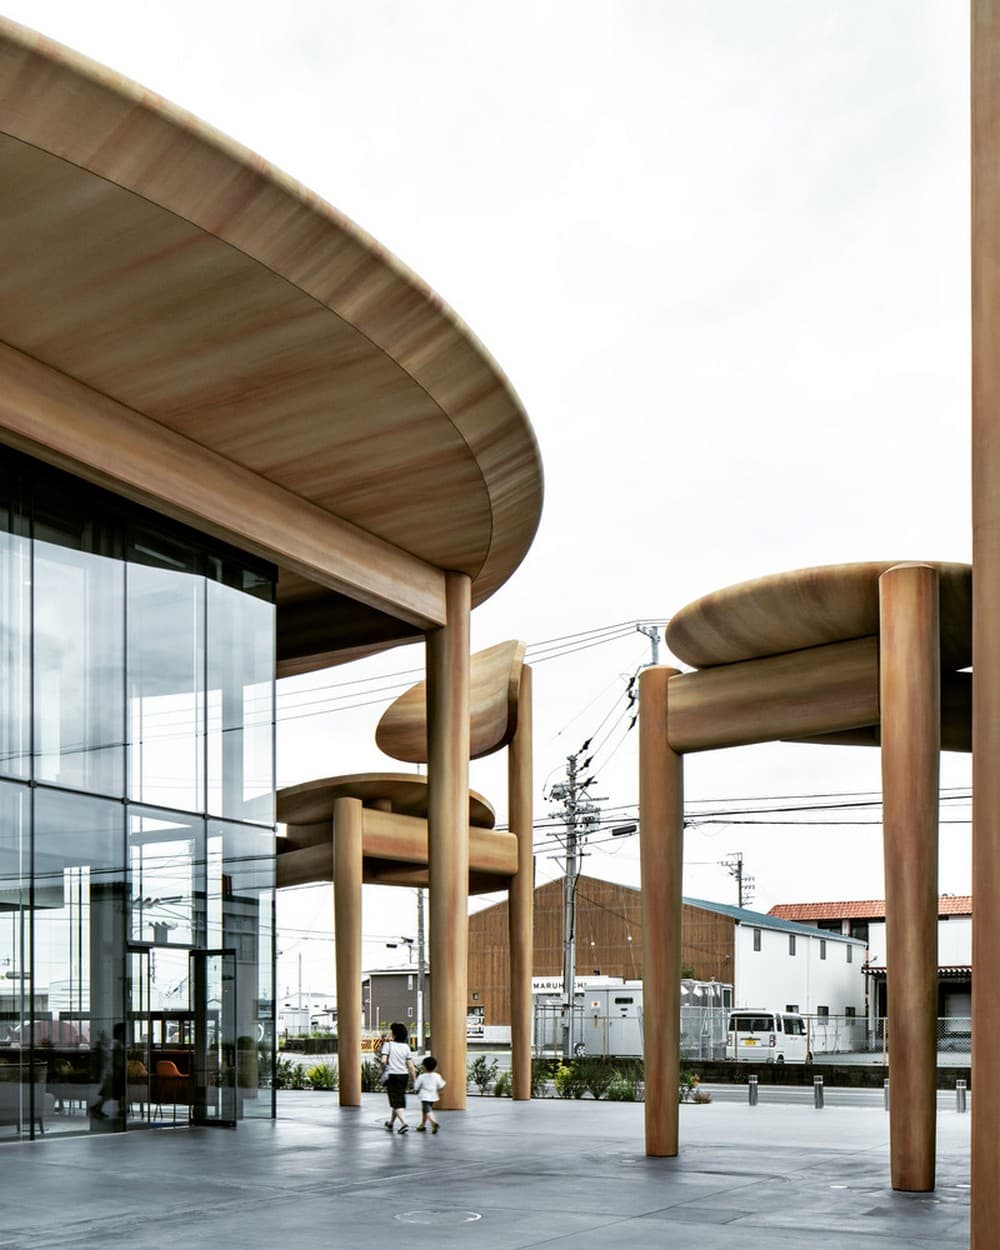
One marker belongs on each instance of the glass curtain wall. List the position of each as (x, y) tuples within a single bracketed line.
[(17, 995), (79, 649), (15, 632), (78, 922), (166, 671), (137, 810), (240, 696), (241, 919)]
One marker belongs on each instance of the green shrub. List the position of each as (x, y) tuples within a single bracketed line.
[(587, 1075), (686, 1084), (542, 1071), (289, 1075), (482, 1071), (322, 1076), (623, 1088), (626, 1084), (503, 1086), (371, 1076), (568, 1082), (596, 1075), (634, 1069)]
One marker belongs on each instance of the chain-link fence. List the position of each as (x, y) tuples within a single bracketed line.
[(840, 1035), (704, 1034), (851, 1035), (955, 1036)]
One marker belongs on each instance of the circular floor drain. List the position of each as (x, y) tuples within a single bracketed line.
[(438, 1215)]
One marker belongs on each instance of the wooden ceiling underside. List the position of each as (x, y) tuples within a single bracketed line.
[(165, 267)]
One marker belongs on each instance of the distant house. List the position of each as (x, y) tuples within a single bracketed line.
[(866, 918), (390, 994), (769, 961)]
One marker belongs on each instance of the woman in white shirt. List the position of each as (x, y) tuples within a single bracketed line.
[(397, 1068)]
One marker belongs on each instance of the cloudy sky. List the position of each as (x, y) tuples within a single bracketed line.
[(721, 251)]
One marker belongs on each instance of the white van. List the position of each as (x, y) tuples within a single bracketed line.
[(767, 1036)]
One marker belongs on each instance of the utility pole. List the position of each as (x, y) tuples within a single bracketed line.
[(580, 818), (652, 632), (733, 864), (421, 1039)]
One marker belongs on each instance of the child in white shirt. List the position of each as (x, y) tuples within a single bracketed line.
[(427, 1088)]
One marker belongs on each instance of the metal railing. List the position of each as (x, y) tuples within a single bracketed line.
[(855, 1035), (704, 1034)]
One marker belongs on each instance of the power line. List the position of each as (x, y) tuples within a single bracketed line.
[(534, 647), (537, 653), (795, 824)]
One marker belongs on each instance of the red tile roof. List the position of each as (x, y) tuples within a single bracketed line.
[(864, 909)]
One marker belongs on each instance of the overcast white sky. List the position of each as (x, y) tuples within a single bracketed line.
[(721, 251)]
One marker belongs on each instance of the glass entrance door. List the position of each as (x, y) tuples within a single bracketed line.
[(181, 1037), (213, 981), (159, 1037)]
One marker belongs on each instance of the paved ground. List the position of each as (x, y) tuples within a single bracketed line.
[(501, 1176)]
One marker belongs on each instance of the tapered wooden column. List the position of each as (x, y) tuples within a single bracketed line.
[(661, 837), (910, 698), (520, 898), (347, 835), (985, 1219), (448, 836)]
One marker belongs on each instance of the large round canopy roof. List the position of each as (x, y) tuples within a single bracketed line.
[(311, 802), (808, 608), (162, 265)]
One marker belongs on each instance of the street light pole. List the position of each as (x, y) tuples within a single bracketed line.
[(421, 1039)]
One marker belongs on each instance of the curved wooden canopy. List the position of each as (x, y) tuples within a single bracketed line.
[(311, 803), (395, 844), (808, 608), (186, 325), (494, 680)]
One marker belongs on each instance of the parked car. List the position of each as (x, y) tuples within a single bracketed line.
[(48, 1033), (762, 1036)]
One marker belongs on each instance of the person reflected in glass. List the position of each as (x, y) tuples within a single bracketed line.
[(113, 1083)]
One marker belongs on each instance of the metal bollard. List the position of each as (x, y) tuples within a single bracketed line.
[(818, 1092), (752, 1091), (885, 1093), (960, 1088)]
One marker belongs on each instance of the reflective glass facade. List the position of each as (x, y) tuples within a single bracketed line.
[(136, 815)]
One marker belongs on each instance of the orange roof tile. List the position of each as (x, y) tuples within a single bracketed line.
[(863, 909)]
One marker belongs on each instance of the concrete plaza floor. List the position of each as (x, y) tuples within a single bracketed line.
[(500, 1176)]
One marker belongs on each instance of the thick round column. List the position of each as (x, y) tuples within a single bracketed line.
[(347, 838), (448, 836), (910, 699), (661, 838), (520, 898), (986, 622)]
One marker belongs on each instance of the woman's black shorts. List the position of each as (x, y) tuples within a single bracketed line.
[(395, 1087)]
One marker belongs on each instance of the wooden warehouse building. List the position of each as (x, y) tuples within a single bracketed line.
[(608, 941), (768, 960)]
